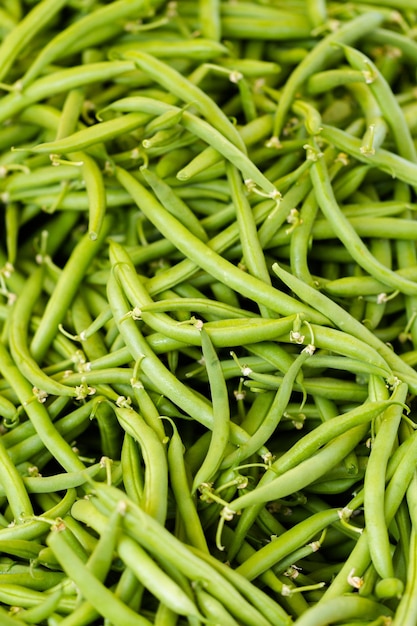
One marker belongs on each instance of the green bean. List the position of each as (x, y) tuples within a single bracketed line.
[(319, 56), (176, 206), (362, 285), (347, 234), (18, 338), (65, 290), (128, 590), (390, 108), (212, 609), (14, 488), (92, 135), (75, 36), (360, 556), (347, 345), (186, 269), (38, 414), (177, 84), (286, 26), (286, 543), (252, 251), (201, 254), (35, 529), (221, 413), (389, 162), (25, 30), (155, 487), (192, 123), (144, 567), (58, 482), (180, 483), (251, 133), (267, 605), (22, 443), (133, 479), (346, 322), (22, 548), (62, 80), (94, 591), (150, 365), (250, 68), (406, 612), (274, 414), (164, 616), (350, 606), (387, 227), (153, 536), (397, 40), (41, 612), (209, 13), (303, 474), (201, 49), (7, 409), (212, 309), (330, 79), (41, 176), (222, 332), (297, 192), (16, 594)]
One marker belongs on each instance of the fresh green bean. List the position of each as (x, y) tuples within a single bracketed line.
[(202, 255), (38, 414), (389, 162), (62, 81), (406, 613), (35, 529), (275, 412), (319, 56), (346, 233), (93, 590), (155, 537), (390, 108), (201, 49), (65, 290), (286, 543), (221, 413), (155, 487), (19, 340), (374, 486), (267, 605), (177, 84), (75, 36), (25, 30), (303, 474), (252, 251), (177, 206), (350, 606), (346, 322)]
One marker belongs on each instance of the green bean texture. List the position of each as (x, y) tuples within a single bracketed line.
[(208, 312)]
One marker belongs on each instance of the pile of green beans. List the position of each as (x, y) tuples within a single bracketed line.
[(208, 313)]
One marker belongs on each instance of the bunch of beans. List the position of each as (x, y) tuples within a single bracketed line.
[(208, 312)]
